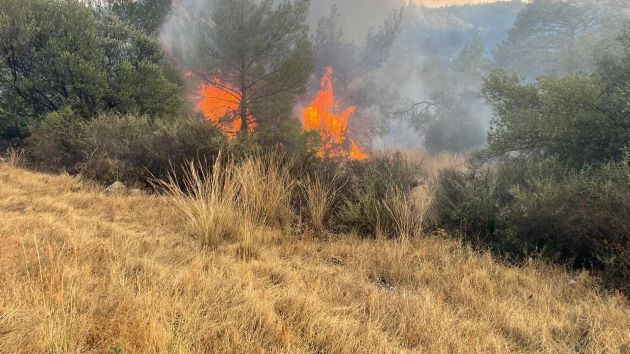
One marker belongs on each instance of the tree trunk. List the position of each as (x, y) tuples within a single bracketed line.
[(244, 123), (243, 108)]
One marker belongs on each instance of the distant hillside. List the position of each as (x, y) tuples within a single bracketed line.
[(443, 31)]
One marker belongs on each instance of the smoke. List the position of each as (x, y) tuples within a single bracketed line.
[(426, 33), (429, 41), (358, 16)]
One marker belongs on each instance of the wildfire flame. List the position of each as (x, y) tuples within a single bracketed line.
[(320, 115), (219, 102)]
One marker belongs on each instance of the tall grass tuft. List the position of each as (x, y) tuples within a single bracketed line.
[(422, 199), (234, 201), (207, 201), (403, 215), (409, 211), (265, 190), (320, 197), (15, 156)]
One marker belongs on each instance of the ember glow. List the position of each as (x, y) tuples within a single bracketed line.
[(219, 102), (323, 115)]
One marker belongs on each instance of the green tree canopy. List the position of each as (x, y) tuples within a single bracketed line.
[(558, 36), (147, 15), (64, 54), (581, 119)]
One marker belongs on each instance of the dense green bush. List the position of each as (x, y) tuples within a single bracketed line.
[(136, 149), (132, 149), (367, 184), (562, 186), (541, 207), (57, 143), (56, 55), (580, 119)]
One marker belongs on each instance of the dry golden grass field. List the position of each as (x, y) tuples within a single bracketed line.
[(81, 272)]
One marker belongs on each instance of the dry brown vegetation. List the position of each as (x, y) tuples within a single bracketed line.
[(84, 272), (432, 164)]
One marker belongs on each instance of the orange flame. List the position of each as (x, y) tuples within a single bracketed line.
[(219, 102), (320, 115), (356, 153)]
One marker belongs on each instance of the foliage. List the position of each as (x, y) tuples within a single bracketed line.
[(558, 37), (285, 136), (560, 187), (64, 54), (471, 62), (58, 142), (131, 149), (366, 185), (256, 52), (147, 15), (569, 117), (541, 207)]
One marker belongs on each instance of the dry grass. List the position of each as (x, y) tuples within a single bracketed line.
[(410, 212), (408, 220), (265, 190), (207, 201), (14, 156), (84, 272), (232, 202), (432, 164), (320, 197)]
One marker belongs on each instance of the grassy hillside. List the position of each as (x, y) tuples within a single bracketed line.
[(85, 272)]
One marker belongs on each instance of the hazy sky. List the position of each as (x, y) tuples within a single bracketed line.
[(359, 15), (450, 2)]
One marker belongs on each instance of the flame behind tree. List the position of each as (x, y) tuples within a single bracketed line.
[(320, 115), (252, 56), (355, 66), (220, 104)]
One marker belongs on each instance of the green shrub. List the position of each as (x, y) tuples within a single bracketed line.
[(138, 149), (131, 149), (68, 54), (57, 143), (134, 149), (363, 187), (12, 130), (518, 209), (573, 118)]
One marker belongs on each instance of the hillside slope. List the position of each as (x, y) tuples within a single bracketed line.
[(84, 272)]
